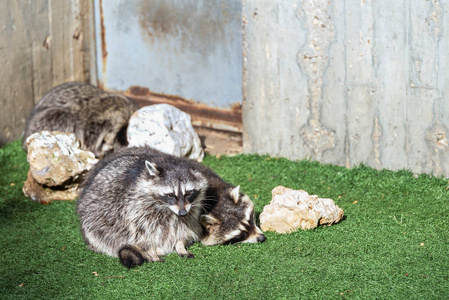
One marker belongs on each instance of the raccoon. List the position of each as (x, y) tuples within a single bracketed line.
[(139, 207), (98, 118), (228, 215)]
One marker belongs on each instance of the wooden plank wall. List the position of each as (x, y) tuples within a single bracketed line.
[(42, 43)]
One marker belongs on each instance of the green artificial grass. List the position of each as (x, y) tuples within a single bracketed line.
[(392, 244)]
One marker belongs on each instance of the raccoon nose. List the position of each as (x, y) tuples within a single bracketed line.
[(182, 212), (261, 238)]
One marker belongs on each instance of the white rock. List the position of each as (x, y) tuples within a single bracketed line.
[(57, 165), (290, 210), (165, 128), (55, 157)]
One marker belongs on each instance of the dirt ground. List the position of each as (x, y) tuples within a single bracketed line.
[(217, 142)]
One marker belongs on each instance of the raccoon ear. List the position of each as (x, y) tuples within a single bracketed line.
[(235, 194), (151, 168), (208, 220)]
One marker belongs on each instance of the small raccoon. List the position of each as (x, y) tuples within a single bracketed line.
[(228, 215), (140, 207), (99, 119)]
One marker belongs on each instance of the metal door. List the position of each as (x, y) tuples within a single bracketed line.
[(181, 48)]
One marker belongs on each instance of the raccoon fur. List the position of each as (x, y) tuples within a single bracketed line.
[(139, 206), (228, 215), (99, 119)]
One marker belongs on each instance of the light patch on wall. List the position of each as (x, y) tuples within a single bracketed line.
[(193, 24), (313, 60)]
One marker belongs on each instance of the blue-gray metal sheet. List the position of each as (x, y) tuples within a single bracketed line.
[(191, 49)]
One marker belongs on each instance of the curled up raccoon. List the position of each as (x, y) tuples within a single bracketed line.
[(99, 119), (140, 204), (140, 207), (230, 217)]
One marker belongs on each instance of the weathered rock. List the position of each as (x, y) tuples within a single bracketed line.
[(44, 194), (165, 128), (290, 210), (57, 166)]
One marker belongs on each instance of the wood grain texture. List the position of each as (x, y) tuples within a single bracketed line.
[(41, 45)]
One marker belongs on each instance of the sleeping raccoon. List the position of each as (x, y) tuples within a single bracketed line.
[(99, 119), (140, 207), (228, 215)]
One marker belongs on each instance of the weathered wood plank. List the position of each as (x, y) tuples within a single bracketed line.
[(40, 39), (16, 71), (41, 45)]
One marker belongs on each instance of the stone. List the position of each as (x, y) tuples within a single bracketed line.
[(44, 194), (57, 166), (290, 210), (165, 128)]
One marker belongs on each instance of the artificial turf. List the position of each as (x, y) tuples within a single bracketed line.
[(392, 244)]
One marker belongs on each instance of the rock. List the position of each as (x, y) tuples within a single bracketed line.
[(55, 157), (44, 194), (57, 166), (165, 128), (290, 210)]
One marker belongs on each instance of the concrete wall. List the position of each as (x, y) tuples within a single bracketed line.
[(348, 82), (42, 43)]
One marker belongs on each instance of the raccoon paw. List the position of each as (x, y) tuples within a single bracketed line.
[(188, 255), (130, 257)]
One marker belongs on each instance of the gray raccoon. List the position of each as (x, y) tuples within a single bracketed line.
[(228, 216), (99, 119), (140, 207)]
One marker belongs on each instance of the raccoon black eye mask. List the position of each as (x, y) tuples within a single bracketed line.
[(231, 219), (180, 203), (139, 206)]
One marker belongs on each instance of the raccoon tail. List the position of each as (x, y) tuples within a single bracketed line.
[(130, 256)]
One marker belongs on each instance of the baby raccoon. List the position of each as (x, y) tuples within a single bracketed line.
[(228, 215), (140, 207), (99, 119)]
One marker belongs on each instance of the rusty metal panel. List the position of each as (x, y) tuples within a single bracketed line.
[(188, 49), (202, 115)]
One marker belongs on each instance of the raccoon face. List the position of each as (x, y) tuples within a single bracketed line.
[(179, 201), (180, 191), (232, 221)]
